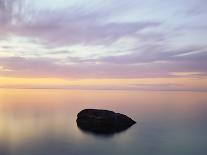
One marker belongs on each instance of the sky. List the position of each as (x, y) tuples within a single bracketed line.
[(104, 44)]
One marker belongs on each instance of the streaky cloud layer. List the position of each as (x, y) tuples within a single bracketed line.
[(103, 39)]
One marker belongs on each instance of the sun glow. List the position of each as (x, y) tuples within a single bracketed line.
[(12, 82)]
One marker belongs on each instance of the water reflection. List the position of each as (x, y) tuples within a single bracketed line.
[(101, 132), (43, 122)]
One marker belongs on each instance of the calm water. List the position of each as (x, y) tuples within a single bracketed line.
[(42, 122)]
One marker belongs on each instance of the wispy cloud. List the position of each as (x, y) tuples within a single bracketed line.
[(102, 39), (135, 65)]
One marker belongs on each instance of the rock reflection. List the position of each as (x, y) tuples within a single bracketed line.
[(102, 132)]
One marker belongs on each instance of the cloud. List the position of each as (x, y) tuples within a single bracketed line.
[(158, 48), (189, 60), (135, 65), (84, 33), (67, 26), (198, 8)]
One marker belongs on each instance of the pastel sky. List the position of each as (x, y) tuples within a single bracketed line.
[(104, 44)]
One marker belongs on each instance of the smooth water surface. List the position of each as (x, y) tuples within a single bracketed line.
[(43, 122)]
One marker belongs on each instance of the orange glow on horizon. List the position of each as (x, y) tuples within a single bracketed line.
[(52, 82)]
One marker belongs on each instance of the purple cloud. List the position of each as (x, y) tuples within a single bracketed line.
[(151, 55), (66, 27), (153, 64)]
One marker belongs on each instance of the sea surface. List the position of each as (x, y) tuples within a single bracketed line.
[(43, 122)]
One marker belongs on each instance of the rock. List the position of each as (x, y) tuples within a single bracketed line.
[(103, 121)]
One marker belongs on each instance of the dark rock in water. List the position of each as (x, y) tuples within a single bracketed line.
[(103, 121)]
